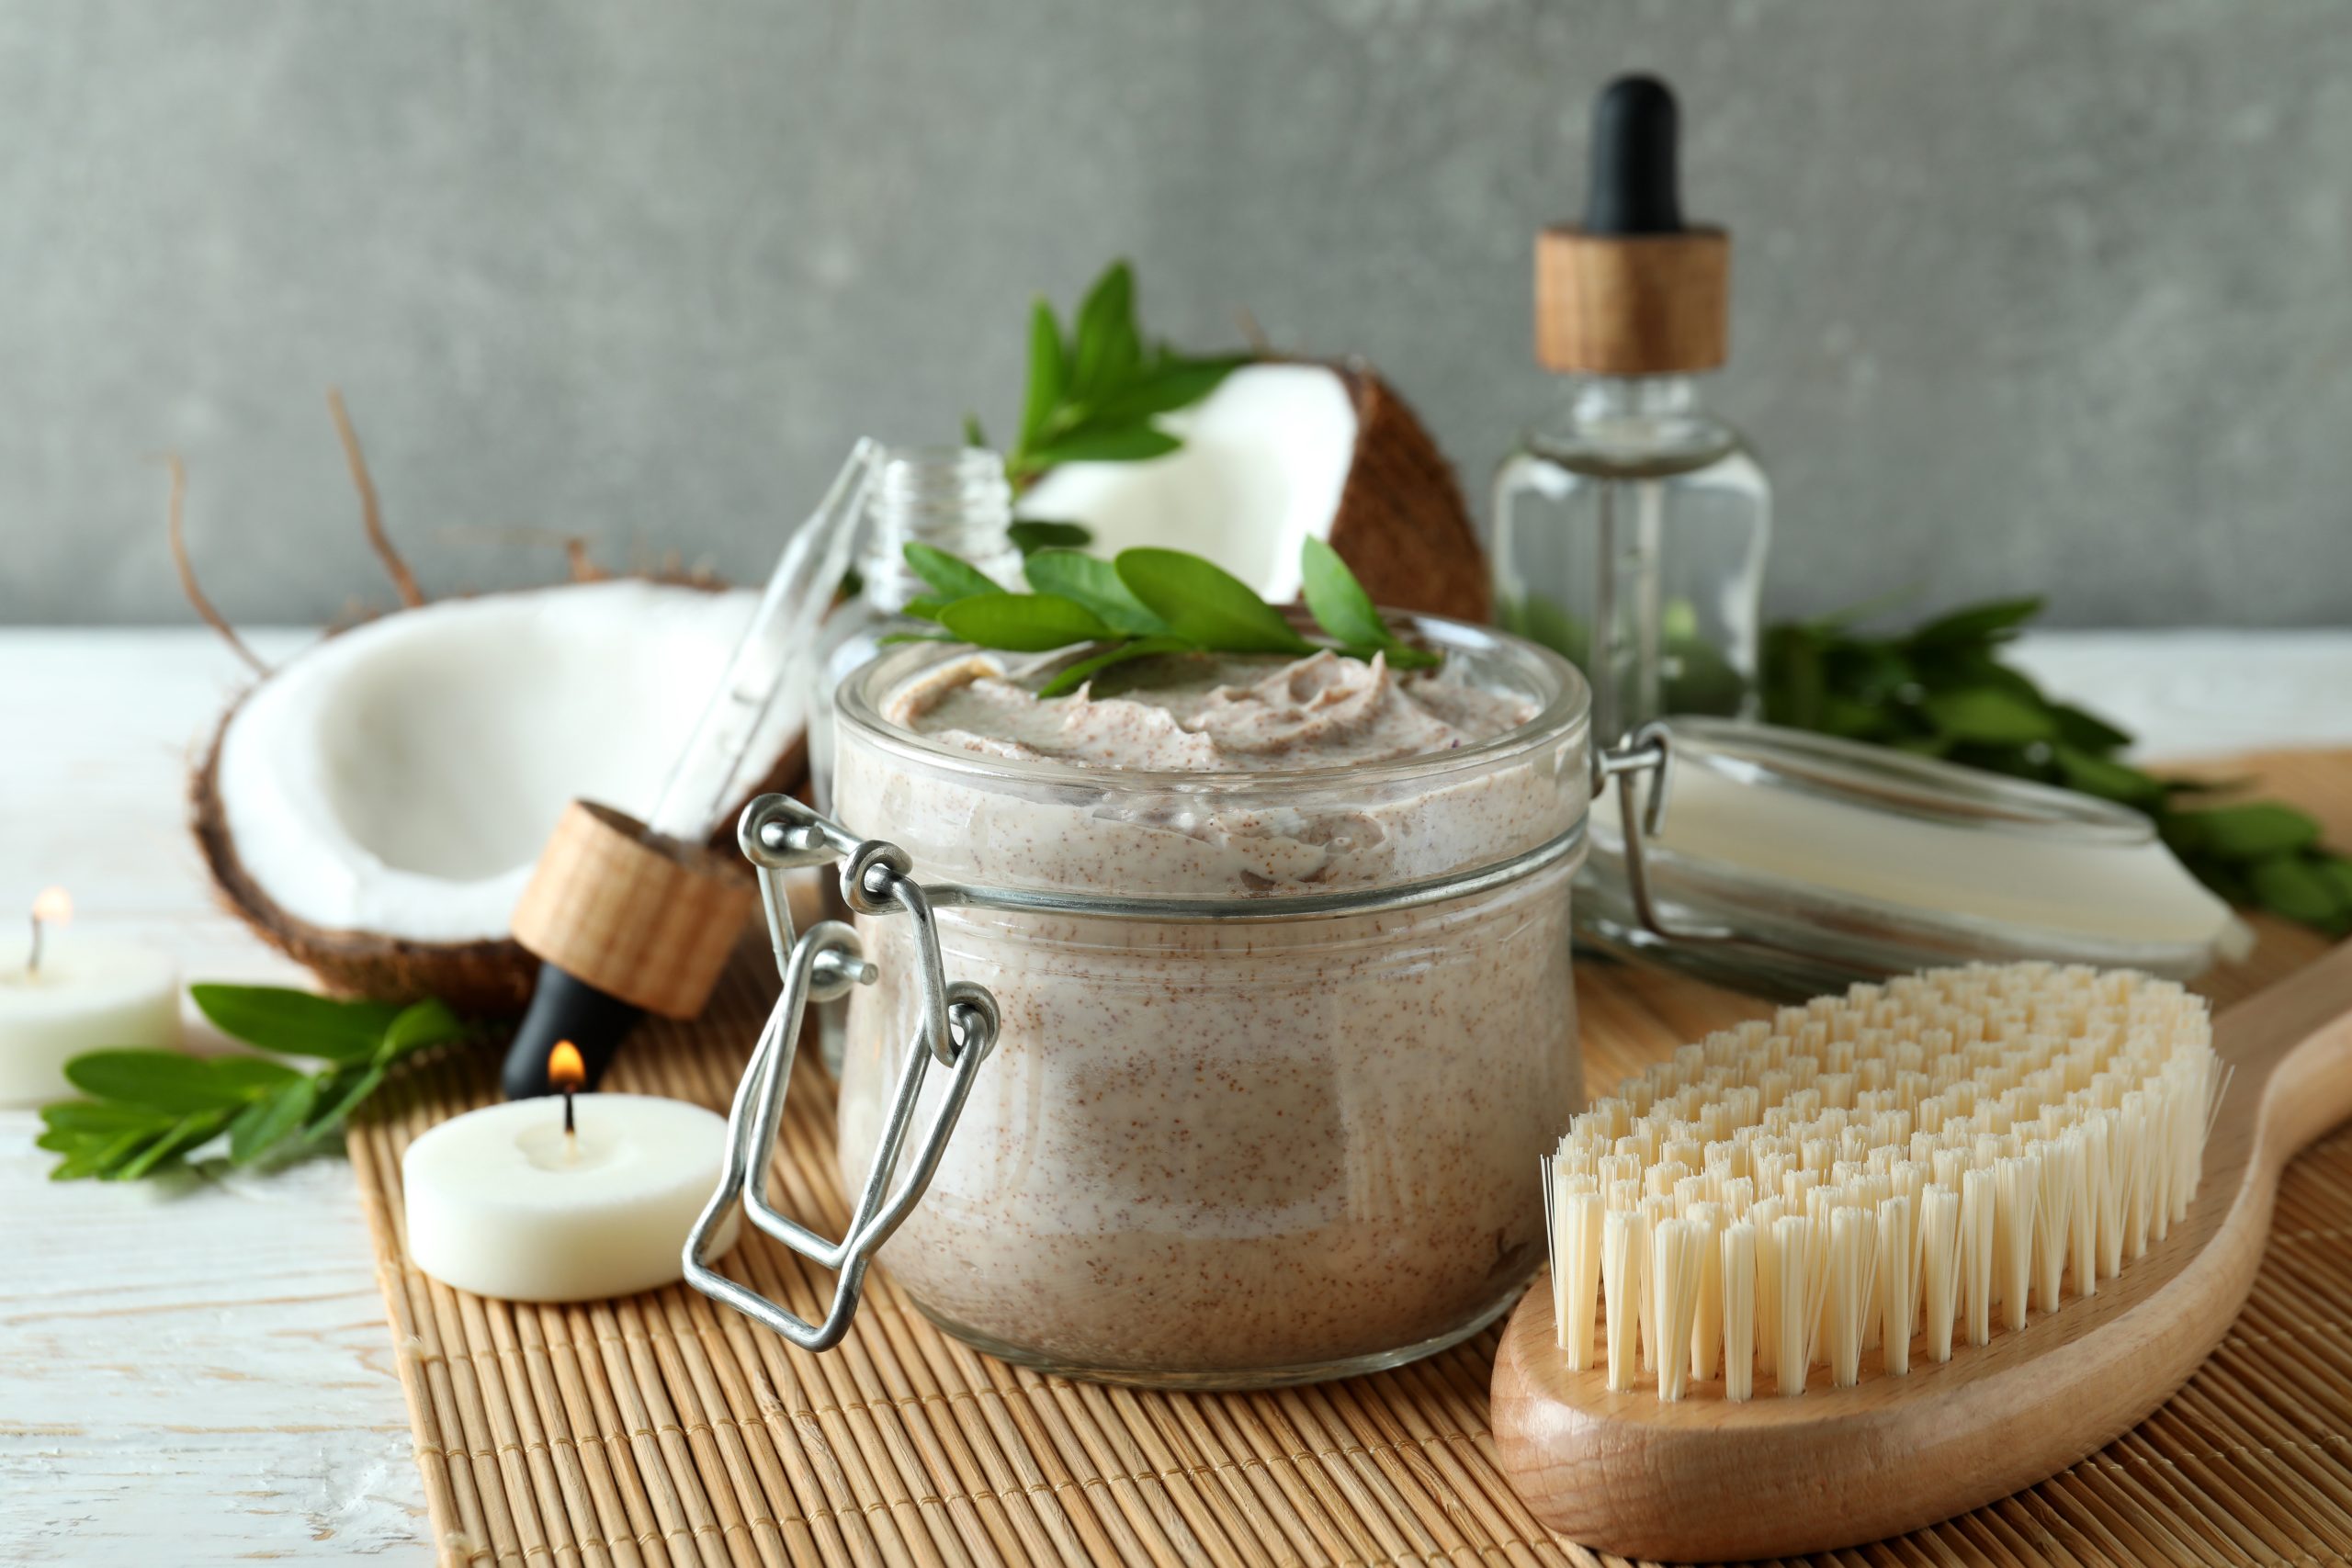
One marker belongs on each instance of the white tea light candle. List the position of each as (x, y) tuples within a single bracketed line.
[(74, 994), (503, 1203)]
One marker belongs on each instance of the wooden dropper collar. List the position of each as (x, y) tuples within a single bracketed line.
[(1633, 290)]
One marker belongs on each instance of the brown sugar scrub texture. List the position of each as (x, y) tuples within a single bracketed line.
[(1253, 1147)]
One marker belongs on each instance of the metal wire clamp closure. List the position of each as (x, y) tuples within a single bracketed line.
[(1649, 753), (956, 1028)]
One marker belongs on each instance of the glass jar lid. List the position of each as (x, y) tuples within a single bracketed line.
[(1780, 861)]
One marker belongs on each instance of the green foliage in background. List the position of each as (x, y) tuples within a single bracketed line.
[(1942, 689), (1095, 393), (149, 1111)]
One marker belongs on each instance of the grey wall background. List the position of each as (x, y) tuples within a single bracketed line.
[(2029, 296)]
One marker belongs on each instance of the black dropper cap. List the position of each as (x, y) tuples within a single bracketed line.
[(1635, 189), (565, 1007)]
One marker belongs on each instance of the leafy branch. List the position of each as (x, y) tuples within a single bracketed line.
[(1095, 394), (1942, 689), (1146, 601), (149, 1111)]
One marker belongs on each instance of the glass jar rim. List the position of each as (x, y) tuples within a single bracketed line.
[(1563, 714)]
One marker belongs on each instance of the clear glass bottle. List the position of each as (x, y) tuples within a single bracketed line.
[(1630, 537), (955, 498)]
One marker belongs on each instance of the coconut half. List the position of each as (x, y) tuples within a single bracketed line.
[(374, 807), (1280, 453)]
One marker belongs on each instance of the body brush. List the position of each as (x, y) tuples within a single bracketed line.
[(1891, 1255)]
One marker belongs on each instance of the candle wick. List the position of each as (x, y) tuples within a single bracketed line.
[(571, 1134), (32, 959)]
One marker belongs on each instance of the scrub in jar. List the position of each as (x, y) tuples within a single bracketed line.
[(1241, 1142)]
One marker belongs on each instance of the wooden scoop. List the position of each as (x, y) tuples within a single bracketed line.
[(1708, 1479)]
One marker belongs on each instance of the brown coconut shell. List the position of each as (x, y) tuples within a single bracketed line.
[(483, 980), (1402, 525)]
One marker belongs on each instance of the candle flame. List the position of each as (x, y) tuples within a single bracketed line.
[(565, 1068), (54, 907)]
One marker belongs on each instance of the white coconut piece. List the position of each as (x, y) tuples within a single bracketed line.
[(1265, 460), (401, 778)]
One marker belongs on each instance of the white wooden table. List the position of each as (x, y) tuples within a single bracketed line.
[(204, 1376)]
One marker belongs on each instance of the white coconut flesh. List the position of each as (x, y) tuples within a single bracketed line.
[(402, 778), (1265, 460)]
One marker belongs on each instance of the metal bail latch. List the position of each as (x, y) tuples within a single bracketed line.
[(957, 1029), (1649, 751)]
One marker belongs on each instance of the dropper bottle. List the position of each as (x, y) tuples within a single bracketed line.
[(1630, 533)]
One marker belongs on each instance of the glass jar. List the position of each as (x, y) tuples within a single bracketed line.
[(1278, 1050)]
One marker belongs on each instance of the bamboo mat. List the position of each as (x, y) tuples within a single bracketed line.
[(663, 1429)]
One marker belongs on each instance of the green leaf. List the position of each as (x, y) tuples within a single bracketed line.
[(100, 1118), (1023, 623), (2252, 831), (925, 608), (2109, 780), (1205, 604), (1094, 583), (1030, 535), (893, 638), (1988, 716), (1336, 600), (2087, 731), (973, 434), (953, 578), (2338, 872), (250, 1076), (1049, 375), (1134, 443), (1163, 389), (1978, 622), (162, 1080), (1085, 669), (201, 1128), (341, 1091), (100, 1159), (1108, 347), (295, 1023), (1400, 655), (419, 1024), (2286, 884), (266, 1124)]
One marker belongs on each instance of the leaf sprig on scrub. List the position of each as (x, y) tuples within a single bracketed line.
[(1146, 602), (149, 1111)]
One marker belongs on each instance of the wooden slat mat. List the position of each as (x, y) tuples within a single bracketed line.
[(662, 1430)]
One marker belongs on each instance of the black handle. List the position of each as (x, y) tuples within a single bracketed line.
[(564, 1007)]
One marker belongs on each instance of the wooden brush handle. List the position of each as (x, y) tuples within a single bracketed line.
[(2294, 1041), (1708, 1479)]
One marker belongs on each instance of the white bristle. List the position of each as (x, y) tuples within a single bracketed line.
[(2016, 1194), (1803, 1281), (1939, 1268), (1898, 1257), (1706, 1334), (1677, 1274), (1738, 1266), (1847, 1279), (1940, 1157), (1978, 1236), (1579, 1219), (1654, 1212), (1765, 1218), (2053, 1218)]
